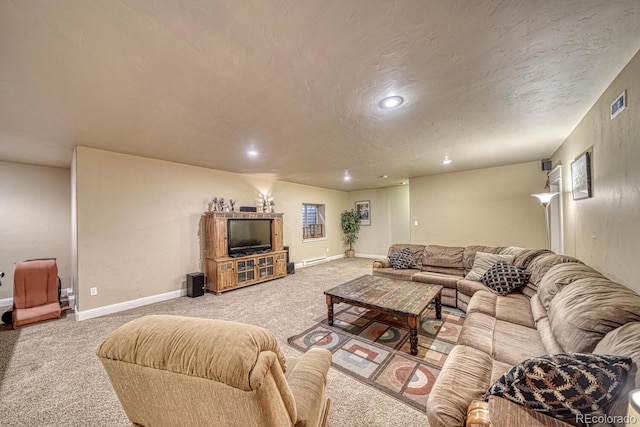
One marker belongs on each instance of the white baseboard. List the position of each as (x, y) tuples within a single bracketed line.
[(327, 259), (359, 255), (127, 305), (9, 301)]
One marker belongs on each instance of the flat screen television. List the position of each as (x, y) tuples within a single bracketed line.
[(247, 236)]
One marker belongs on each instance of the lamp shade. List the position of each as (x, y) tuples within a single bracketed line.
[(633, 417), (545, 197)]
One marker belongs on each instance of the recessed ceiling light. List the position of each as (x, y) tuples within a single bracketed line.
[(252, 153), (347, 178), (447, 160), (391, 102), (383, 176)]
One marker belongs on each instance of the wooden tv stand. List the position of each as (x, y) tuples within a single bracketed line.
[(225, 273)]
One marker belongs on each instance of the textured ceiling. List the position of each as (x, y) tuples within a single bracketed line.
[(200, 82)]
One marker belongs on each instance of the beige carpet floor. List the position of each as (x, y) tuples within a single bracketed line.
[(50, 375)]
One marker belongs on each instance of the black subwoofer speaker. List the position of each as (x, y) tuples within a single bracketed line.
[(195, 285), (291, 267)]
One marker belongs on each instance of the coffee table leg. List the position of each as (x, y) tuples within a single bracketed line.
[(330, 310), (438, 307), (413, 334)]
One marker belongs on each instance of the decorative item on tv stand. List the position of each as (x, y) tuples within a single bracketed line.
[(243, 248), (215, 205), (350, 223)]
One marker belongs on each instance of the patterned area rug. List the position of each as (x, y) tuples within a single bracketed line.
[(374, 348)]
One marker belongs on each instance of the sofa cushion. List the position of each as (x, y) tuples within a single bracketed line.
[(514, 343), (505, 341), (483, 262), (503, 278), (564, 385), (443, 280), (561, 275), (469, 254), (470, 287), (513, 308), (395, 274), (541, 264), (583, 313), (523, 257), (457, 272), (443, 256), (416, 250), (402, 259), (623, 341)]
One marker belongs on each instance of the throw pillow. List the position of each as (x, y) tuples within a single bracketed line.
[(564, 385), (504, 278), (484, 261), (402, 259)]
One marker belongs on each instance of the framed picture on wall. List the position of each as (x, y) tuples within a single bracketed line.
[(581, 177), (365, 212)]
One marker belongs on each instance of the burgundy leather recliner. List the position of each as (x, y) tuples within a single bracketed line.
[(35, 292)]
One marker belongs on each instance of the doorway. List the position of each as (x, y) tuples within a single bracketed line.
[(555, 211)]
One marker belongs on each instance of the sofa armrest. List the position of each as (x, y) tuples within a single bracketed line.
[(382, 263), (505, 413), (307, 382)]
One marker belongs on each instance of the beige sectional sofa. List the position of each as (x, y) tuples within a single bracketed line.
[(566, 307)]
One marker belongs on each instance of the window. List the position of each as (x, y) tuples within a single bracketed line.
[(312, 221)]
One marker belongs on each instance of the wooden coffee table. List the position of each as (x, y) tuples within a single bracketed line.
[(406, 300)]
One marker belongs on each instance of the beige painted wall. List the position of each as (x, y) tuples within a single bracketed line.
[(138, 221), (289, 199), (604, 231), (491, 206), (35, 212), (389, 219)]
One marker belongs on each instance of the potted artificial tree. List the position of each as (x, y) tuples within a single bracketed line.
[(350, 222)]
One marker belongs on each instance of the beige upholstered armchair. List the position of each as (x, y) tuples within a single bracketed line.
[(178, 371)]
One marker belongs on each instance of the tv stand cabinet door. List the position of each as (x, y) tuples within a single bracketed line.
[(225, 277), (281, 265), (276, 234), (216, 237), (221, 246)]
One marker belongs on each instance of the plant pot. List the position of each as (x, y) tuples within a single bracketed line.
[(350, 253)]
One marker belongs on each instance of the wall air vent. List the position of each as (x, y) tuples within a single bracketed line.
[(619, 104)]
